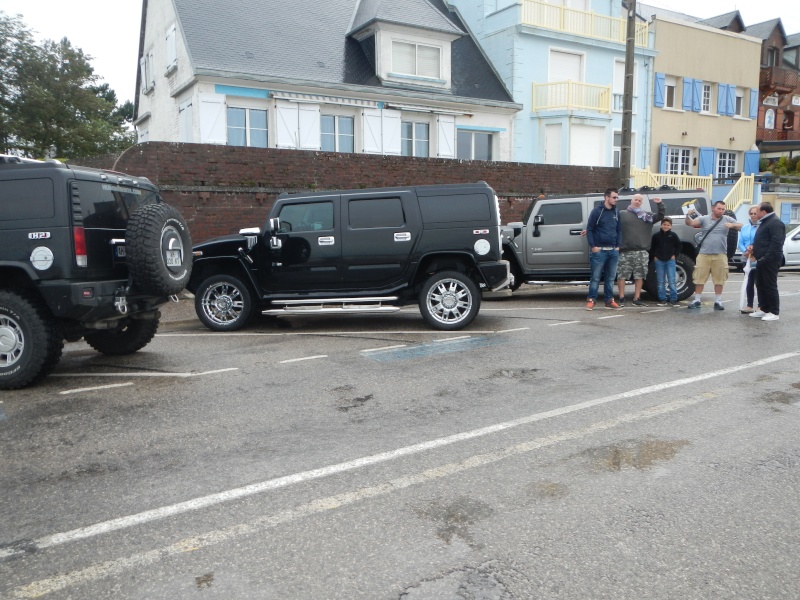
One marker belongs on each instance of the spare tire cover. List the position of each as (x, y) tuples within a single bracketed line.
[(159, 250)]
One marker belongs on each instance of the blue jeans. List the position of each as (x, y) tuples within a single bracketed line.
[(603, 263), (665, 270)]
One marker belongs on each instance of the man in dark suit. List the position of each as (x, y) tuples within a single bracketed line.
[(767, 249)]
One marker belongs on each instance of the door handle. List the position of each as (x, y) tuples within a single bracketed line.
[(575, 231), (325, 240), (402, 236)]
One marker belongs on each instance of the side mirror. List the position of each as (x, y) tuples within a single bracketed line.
[(251, 233), (537, 220), (274, 225)]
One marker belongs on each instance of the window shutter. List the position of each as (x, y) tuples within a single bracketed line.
[(446, 127), (428, 61), (309, 125), (390, 126), (697, 95), (372, 131), (172, 55), (753, 104), (731, 100), (786, 212), (145, 84), (213, 124), (687, 93), (721, 99), (658, 94), (662, 158), (751, 160), (185, 122), (287, 124), (404, 58), (705, 164)]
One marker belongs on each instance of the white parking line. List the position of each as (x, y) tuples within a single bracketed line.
[(563, 323), (461, 337), (288, 480), (291, 360), (512, 330), (99, 387), (611, 317), (153, 374), (644, 312), (384, 348)]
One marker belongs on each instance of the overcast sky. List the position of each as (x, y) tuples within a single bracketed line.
[(108, 30)]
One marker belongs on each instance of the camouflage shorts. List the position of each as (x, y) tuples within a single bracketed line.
[(633, 265)]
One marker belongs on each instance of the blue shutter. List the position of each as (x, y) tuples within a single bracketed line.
[(705, 164), (751, 160), (662, 159), (753, 104), (697, 95), (721, 94), (786, 212), (687, 93), (658, 93), (731, 100)]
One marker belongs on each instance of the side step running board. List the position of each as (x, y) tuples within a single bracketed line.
[(333, 305)]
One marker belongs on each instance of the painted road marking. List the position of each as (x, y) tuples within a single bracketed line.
[(192, 544), (461, 337), (384, 348), (563, 323), (434, 348), (512, 330), (99, 387), (291, 360), (611, 317), (288, 480), (154, 374)]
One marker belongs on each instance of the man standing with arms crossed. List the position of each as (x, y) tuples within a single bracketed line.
[(713, 256), (634, 254), (604, 235), (767, 249)]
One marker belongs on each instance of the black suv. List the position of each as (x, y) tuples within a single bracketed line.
[(83, 253), (357, 251)]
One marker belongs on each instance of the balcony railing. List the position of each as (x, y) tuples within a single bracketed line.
[(778, 78), (578, 22), (777, 135), (571, 95), (642, 177)]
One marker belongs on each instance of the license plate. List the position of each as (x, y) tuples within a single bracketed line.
[(173, 258), (119, 251)]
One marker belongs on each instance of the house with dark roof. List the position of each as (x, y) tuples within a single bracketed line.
[(395, 77), (564, 61), (731, 21)]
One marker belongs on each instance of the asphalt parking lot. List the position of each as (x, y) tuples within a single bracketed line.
[(544, 451)]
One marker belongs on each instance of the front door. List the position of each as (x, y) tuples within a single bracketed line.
[(559, 246)]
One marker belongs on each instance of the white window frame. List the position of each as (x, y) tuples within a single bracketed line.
[(670, 89), (147, 72), (416, 73), (172, 51), (616, 152), (618, 88), (705, 102), (472, 135), (739, 104), (337, 134), (248, 128), (679, 160), (726, 164), (414, 139)]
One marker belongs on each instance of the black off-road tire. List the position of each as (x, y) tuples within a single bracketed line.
[(223, 303), (31, 340), (133, 336), (449, 300), (684, 266), (153, 231)]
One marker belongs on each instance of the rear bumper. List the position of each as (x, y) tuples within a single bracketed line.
[(91, 301), (497, 275)]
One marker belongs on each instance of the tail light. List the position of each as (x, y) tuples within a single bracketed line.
[(79, 239)]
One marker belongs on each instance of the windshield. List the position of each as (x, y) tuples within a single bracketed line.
[(108, 205)]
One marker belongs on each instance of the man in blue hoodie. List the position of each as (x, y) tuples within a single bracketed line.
[(604, 235)]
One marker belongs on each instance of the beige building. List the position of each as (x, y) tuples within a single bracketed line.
[(706, 99)]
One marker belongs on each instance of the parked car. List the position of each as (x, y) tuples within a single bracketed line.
[(357, 251), (791, 248), (84, 253)]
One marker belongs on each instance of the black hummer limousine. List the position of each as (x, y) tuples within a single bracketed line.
[(84, 253), (357, 251)]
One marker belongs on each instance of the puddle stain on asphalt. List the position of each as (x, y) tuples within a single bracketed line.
[(549, 490), (485, 582), (520, 374), (353, 403), (634, 454), (204, 581), (454, 518), (434, 348), (779, 397)]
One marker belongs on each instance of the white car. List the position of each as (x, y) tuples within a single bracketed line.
[(791, 248)]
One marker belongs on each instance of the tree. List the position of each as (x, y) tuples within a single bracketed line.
[(50, 102)]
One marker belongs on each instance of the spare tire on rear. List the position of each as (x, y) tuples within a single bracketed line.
[(159, 250)]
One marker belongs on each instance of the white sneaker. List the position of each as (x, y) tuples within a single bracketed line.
[(758, 313), (770, 317)]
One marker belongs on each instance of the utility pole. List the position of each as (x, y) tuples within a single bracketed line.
[(627, 101)]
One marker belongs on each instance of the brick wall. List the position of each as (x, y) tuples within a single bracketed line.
[(220, 189)]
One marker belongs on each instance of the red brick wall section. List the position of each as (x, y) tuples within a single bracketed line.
[(220, 189)]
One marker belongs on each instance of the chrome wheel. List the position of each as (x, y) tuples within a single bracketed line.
[(449, 300), (12, 341), (223, 303)]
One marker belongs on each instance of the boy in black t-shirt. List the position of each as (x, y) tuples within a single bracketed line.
[(665, 247)]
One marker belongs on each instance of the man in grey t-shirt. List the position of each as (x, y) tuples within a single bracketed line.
[(712, 258)]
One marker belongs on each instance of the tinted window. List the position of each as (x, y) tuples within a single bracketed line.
[(107, 205), (673, 206), (458, 208), (311, 216), (28, 199), (561, 213), (372, 213)]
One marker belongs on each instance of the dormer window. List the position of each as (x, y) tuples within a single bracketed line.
[(418, 60)]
